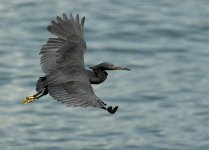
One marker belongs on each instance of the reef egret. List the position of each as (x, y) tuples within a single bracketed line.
[(62, 61)]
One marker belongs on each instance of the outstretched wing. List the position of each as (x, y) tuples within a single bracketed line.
[(75, 94), (67, 50), (62, 61)]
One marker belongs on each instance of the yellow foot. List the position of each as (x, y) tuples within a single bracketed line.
[(29, 99)]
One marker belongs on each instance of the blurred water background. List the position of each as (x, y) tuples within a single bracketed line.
[(163, 102)]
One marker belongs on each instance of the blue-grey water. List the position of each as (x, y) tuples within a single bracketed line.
[(163, 101)]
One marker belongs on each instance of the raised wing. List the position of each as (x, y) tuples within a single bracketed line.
[(62, 60), (67, 50), (75, 93)]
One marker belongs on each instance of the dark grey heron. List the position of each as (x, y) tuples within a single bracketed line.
[(62, 61)]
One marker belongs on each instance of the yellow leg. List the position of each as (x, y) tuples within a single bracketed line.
[(33, 98), (29, 99)]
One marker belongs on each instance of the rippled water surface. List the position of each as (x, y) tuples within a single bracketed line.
[(163, 102)]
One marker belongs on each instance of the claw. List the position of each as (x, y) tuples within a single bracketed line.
[(29, 99)]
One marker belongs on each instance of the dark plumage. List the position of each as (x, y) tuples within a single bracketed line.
[(62, 61)]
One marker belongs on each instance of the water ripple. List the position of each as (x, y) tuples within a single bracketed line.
[(163, 100)]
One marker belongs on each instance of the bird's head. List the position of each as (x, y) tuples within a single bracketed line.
[(108, 66)]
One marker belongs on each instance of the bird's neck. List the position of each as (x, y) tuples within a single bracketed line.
[(99, 77)]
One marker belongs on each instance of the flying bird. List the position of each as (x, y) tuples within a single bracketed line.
[(62, 61)]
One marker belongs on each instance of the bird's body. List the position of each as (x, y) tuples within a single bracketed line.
[(72, 84), (62, 61)]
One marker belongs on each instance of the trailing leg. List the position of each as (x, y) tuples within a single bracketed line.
[(36, 96), (41, 89)]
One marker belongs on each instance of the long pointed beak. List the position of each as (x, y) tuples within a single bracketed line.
[(120, 68)]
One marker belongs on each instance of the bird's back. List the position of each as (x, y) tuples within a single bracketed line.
[(67, 75)]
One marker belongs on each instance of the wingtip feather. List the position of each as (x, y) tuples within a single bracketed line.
[(77, 18)]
